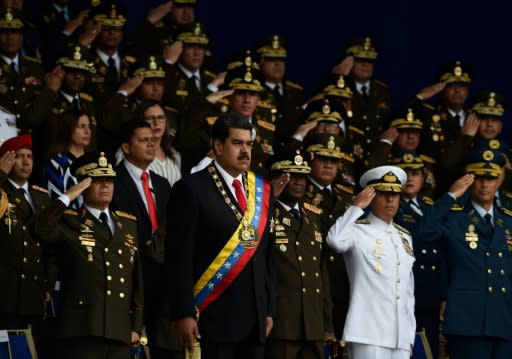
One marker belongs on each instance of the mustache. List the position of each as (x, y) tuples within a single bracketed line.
[(244, 156)]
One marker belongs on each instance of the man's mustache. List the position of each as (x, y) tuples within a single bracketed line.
[(243, 156)]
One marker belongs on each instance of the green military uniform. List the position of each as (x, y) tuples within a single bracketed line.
[(23, 261)]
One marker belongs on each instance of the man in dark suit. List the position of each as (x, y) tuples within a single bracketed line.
[(220, 252), (150, 209)]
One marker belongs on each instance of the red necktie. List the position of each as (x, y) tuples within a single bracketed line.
[(150, 201), (240, 196)]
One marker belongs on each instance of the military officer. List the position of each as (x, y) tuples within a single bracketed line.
[(303, 318), (20, 76), (101, 309), (379, 260), (23, 260)]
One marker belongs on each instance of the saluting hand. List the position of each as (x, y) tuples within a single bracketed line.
[(471, 125), (279, 183), (344, 67), (364, 198), (461, 185), (304, 129), (431, 90), (74, 191), (7, 161), (159, 12), (131, 84), (213, 98), (172, 53)]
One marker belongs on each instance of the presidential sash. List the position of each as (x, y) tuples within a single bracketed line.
[(240, 248)]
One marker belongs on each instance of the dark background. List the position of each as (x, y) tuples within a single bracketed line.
[(413, 37)]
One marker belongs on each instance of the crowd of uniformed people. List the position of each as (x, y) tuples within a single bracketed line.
[(103, 126)]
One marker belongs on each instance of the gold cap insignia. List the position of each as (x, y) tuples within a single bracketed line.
[(8, 15), (275, 42), (298, 160), (408, 158), (367, 43), (341, 82), (488, 155), (248, 76), (95, 2), (436, 118), (77, 56), (326, 109), (152, 63), (410, 116), (457, 71), (197, 30), (248, 59), (471, 228), (113, 12), (390, 177), (330, 143), (492, 100), (494, 144), (102, 161)]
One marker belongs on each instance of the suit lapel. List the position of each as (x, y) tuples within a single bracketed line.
[(126, 179)]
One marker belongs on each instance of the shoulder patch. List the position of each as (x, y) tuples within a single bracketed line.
[(427, 200), (456, 207), (428, 159), (209, 73), (345, 189), (126, 215), (39, 189), (363, 221), (507, 194), (356, 130), (294, 85), (264, 104), (130, 59), (312, 208), (380, 83), (32, 59), (71, 212), (427, 105), (85, 96), (403, 229), (508, 212)]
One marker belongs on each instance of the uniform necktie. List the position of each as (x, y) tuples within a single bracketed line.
[(327, 191), (488, 220), (76, 105), (195, 81), (240, 196), (150, 201), (111, 76), (13, 67), (277, 91), (24, 196), (364, 91), (295, 213), (104, 221), (457, 119)]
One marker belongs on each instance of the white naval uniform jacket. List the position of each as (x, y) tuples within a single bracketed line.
[(381, 310)]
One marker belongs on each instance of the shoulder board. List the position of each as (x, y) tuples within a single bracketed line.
[(85, 96), (71, 212), (363, 221), (126, 215), (456, 207), (130, 59), (403, 229), (508, 212), (33, 59), (223, 101), (428, 159), (211, 120), (427, 200), (345, 189), (39, 189), (266, 125), (3, 109), (209, 73), (380, 83), (312, 208), (427, 105), (264, 104), (170, 109), (356, 130), (507, 194), (294, 85)]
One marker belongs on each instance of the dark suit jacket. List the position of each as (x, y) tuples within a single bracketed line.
[(201, 225)]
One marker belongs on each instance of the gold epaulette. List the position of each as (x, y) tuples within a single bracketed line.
[(126, 215), (40, 189), (32, 59), (508, 212), (71, 212), (211, 120), (170, 109), (363, 221), (312, 208), (428, 159), (456, 207), (427, 105), (209, 73), (380, 83), (266, 125), (507, 194), (223, 101), (345, 189), (130, 59), (265, 104), (294, 85), (356, 130), (427, 200), (4, 202), (403, 229), (85, 96)]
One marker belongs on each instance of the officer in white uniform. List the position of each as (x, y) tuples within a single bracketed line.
[(378, 255)]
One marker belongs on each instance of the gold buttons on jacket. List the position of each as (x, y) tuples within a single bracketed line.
[(488, 254), (500, 254), (107, 263), (109, 277), (121, 280), (317, 274), (106, 250), (303, 274), (331, 258), (121, 295), (25, 260), (299, 258), (434, 268), (489, 289), (314, 258), (317, 290), (120, 251), (109, 292), (303, 290), (121, 266), (489, 271), (502, 271), (503, 290)]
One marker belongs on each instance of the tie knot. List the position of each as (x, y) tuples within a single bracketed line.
[(103, 217), (144, 176), (295, 213), (111, 61), (237, 184), (22, 191)]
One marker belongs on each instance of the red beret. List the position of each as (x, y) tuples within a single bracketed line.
[(16, 143)]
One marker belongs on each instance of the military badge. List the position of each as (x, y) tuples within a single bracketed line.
[(471, 237), (247, 235), (407, 246), (287, 222), (283, 248)]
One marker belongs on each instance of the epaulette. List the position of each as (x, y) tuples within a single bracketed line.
[(130, 59), (85, 96), (427, 105), (508, 212), (264, 104), (363, 221), (312, 208), (210, 120), (126, 215), (345, 189), (223, 101), (380, 83), (71, 212), (507, 194), (456, 207), (428, 159), (427, 200), (170, 109), (356, 130), (39, 189), (209, 73), (33, 59), (294, 85), (3, 109), (403, 229)]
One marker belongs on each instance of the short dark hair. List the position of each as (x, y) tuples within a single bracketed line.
[(129, 128), (221, 127)]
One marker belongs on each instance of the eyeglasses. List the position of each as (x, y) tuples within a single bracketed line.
[(158, 118)]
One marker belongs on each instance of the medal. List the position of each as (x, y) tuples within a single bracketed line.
[(247, 235), (282, 247)]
